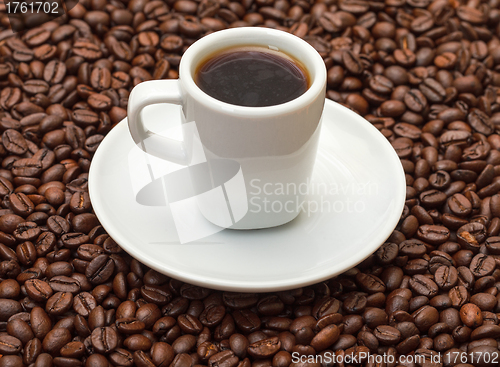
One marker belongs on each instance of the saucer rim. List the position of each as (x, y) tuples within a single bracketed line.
[(226, 284)]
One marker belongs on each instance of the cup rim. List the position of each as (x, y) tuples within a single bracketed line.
[(316, 88)]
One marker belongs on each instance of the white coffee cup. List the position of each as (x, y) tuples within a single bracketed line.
[(274, 146)]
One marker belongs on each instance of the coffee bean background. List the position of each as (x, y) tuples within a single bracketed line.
[(425, 73)]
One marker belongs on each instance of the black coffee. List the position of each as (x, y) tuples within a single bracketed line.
[(252, 76)]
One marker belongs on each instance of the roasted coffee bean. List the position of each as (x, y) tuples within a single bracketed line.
[(104, 339), (387, 253), (9, 97), (225, 358), (465, 277), (20, 329), (184, 344), (38, 290), (100, 269), (471, 235), (26, 253), (99, 102), (423, 286), (212, 315), (264, 348), (32, 350), (75, 349), (446, 277), (100, 78), (121, 357), (163, 324), (84, 303), (352, 62), (40, 322), (59, 303), (130, 325), (89, 252), (480, 122), (412, 248), (246, 320), (64, 284), (55, 340), (85, 117), (369, 283), (137, 342), (387, 335), (207, 349), (471, 315), (14, 142), (27, 167), (482, 265), (96, 360), (325, 337), (58, 225), (459, 296), (11, 361), (238, 344), (87, 50), (432, 199), (189, 324), (9, 345), (54, 72), (149, 314), (325, 306), (226, 328), (415, 100)]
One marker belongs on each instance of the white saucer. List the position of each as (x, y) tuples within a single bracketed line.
[(357, 172)]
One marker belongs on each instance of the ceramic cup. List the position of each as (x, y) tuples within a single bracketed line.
[(249, 166)]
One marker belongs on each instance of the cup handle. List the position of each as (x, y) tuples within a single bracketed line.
[(148, 93)]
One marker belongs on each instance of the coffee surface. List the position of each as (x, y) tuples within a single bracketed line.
[(251, 77)]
